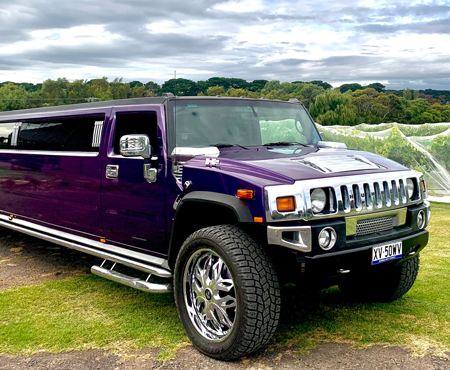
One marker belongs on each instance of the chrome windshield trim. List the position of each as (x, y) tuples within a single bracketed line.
[(86, 245), (387, 195)]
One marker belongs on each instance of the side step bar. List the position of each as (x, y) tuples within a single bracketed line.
[(106, 255), (130, 281)]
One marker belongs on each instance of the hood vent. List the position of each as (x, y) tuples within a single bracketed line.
[(333, 164)]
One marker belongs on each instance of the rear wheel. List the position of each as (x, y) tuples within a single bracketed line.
[(227, 292), (386, 285)]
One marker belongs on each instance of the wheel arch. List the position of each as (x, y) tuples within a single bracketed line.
[(201, 209)]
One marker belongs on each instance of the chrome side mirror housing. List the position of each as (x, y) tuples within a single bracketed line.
[(135, 146)]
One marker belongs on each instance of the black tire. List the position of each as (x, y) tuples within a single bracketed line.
[(253, 289), (386, 285)]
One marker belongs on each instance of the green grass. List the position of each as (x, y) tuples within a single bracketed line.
[(90, 312)]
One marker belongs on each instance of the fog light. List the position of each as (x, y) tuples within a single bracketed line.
[(327, 238), (421, 220)]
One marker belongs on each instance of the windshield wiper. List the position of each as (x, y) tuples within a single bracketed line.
[(227, 145), (284, 143)]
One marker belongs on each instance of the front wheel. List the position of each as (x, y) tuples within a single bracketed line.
[(386, 285), (227, 292)]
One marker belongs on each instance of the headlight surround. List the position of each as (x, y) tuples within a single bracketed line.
[(410, 188), (318, 200)]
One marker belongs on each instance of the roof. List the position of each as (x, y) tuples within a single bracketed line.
[(5, 116), (15, 114)]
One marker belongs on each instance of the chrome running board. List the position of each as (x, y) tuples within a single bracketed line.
[(90, 248), (130, 281)]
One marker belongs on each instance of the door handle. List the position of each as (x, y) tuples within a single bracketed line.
[(112, 171)]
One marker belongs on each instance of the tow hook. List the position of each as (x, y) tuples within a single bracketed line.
[(186, 186)]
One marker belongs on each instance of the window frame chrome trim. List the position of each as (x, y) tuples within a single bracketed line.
[(50, 152)]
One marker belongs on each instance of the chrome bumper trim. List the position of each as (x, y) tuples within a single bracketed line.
[(300, 240)]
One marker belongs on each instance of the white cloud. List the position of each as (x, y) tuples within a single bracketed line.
[(364, 41)]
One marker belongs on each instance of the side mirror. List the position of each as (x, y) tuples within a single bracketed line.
[(135, 146)]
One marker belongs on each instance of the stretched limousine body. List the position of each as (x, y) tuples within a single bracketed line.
[(220, 197)]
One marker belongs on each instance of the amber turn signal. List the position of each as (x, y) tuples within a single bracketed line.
[(245, 194), (286, 204), (424, 187)]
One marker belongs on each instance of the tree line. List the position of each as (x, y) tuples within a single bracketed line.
[(349, 104)]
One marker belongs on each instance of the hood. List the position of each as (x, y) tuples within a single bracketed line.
[(286, 165)]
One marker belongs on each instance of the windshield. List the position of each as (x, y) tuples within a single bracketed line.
[(221, 122)]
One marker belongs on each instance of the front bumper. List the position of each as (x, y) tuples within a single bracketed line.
[(303, 237), (359, 260)]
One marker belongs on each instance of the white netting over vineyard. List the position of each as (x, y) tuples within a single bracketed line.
[(425, 148)]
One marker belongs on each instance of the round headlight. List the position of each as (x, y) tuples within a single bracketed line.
[(421, 220), (410, 188), (318, 200), (327, 238)]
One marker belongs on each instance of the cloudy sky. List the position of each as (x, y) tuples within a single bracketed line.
[(398, 43)]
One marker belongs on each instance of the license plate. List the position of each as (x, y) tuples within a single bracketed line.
[(387, 252)]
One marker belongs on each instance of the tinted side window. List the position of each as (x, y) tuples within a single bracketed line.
[(6, 134), (79, 134), (135, 123)]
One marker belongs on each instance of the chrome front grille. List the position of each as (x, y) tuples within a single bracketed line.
[(374, 225), (348, 196), (372, 195)]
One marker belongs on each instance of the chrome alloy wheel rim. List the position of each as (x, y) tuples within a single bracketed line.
[(210, 295)]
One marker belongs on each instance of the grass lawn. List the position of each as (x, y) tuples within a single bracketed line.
[(90, 312)]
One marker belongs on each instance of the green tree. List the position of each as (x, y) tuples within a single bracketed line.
[(119, 89), (324, 85), (99, 88), (334, 108), (78, 91), (55, 91), (257, 85), (377, 86), (138, 92), (215, 90), (309, 92), (180, 86), (134, 84), (13, 97), (350, 87), (242, 92), (153, 89)]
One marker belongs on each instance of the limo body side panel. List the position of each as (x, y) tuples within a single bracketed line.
[(68, 191), (59, 189)]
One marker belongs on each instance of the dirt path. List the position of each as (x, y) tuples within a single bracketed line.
[(26, 261)]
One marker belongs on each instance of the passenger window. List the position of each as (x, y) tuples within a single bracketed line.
[(79, 134), (6, 135), (135, 123)]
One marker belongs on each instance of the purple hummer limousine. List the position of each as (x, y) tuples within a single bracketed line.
[(220, 198)]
